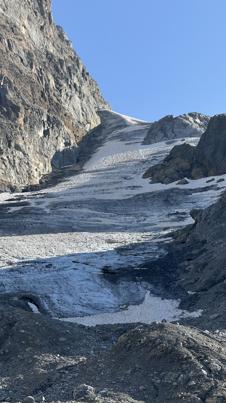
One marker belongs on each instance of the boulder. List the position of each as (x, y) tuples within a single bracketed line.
[(170, 127)]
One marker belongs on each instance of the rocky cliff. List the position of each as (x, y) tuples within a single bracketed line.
[(48, 100), (207, 159)]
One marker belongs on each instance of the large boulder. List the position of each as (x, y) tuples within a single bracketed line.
[(176, 165), (171, 127)]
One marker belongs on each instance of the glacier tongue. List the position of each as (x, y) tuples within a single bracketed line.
[(65, 243)]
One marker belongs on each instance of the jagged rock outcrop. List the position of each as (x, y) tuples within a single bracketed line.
[(48, 100), (170, 127), (210, 154), (207, 159)]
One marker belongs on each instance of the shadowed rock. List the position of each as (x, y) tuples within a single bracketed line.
[(202, 248)]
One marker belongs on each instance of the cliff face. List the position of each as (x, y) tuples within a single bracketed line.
[(48, 101)]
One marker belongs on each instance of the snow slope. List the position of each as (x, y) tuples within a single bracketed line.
[(59, 243)]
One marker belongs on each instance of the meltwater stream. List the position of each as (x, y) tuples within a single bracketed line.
[(62, 244)]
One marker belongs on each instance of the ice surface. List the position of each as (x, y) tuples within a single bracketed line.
[(33, 307)]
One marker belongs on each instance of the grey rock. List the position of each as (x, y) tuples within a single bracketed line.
[(126, 364), (84, 392), (176, 165), (183, 182), (29, 399), (210, 156), (48, 100), (200, 253), (170, 127), (207, 159)]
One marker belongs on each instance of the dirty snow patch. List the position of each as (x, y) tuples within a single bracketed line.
[(151, 310)]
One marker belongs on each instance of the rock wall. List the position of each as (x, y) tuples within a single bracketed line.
[(48, 100)]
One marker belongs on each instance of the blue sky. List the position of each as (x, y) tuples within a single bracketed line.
[(151, 57)]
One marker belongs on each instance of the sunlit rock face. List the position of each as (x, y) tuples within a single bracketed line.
[(171, 127), (48, 100)]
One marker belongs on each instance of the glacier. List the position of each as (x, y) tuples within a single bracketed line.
[(78, 245)]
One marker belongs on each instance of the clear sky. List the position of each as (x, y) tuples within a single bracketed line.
[(151, 57)]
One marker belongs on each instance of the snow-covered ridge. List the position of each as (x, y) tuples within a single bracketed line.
[(110, 117), (60, 243)]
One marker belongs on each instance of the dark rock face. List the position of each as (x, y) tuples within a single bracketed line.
[(202, 267), (210, 156), (207, 159), (176, 165), (170, 127), (48, 101)]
